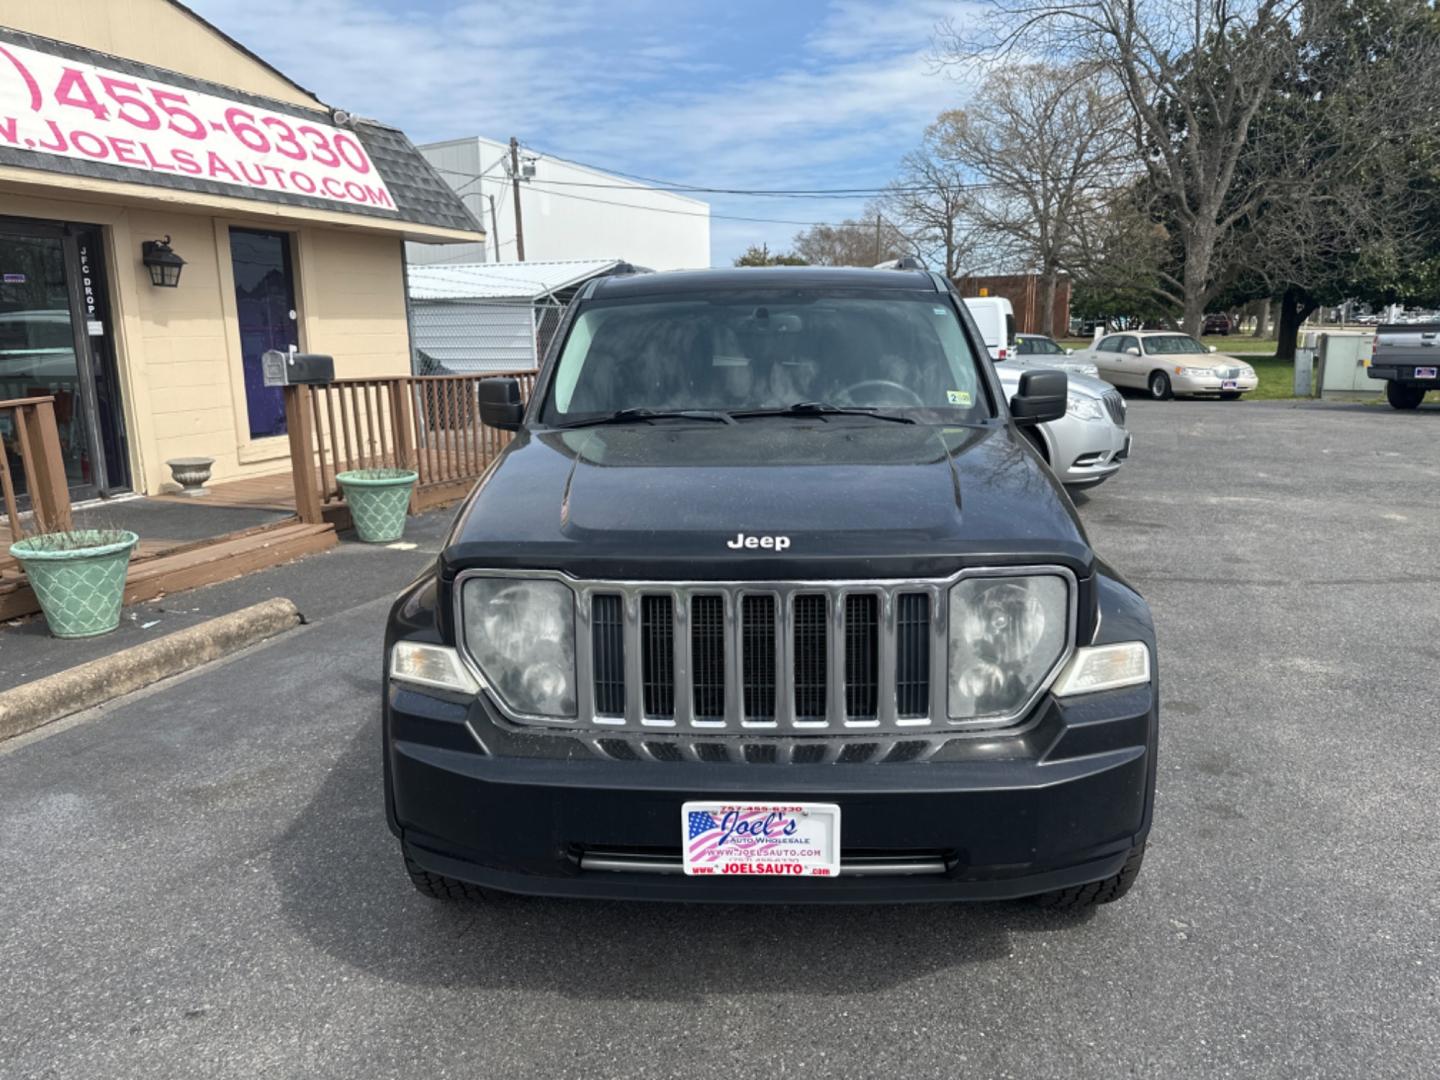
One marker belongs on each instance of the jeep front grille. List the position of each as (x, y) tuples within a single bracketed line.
[(760, 657), (769, 660)]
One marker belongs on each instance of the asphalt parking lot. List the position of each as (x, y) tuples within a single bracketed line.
[(197, 880)]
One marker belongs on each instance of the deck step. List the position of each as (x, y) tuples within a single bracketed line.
[(202, 564)]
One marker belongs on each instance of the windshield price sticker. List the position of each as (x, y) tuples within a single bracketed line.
[(51, 105), (761, 839)]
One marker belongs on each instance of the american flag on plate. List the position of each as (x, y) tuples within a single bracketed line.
[(706, 834)]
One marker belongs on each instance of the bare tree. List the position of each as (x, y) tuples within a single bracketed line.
[(864, 242), (1194, 74), (1047, 144), (931, 203)]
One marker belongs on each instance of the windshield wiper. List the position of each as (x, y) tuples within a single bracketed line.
[(631, 416), (823, 408)]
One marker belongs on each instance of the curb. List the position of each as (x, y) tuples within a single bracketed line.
[(34, 704)]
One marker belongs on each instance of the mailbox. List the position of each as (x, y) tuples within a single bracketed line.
[(289, 368)]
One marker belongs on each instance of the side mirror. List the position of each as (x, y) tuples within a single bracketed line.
[(500, 403), (1133, 350), (1212, 348), (1041, 397), (1069, 351)]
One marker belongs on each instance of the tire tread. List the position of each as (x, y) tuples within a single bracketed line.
[(1096, 892)]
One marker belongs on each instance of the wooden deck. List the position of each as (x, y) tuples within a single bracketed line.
[(275, 492)]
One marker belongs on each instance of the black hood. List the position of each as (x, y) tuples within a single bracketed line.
[(854, 498)]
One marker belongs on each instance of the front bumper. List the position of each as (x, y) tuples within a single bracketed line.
[(1192, 385), (1085, 452), (1058, 802)]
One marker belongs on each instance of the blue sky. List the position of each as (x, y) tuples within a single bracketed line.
[(752, 94)]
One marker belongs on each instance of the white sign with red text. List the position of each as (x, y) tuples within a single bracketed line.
[(52, 105), (761, 839)]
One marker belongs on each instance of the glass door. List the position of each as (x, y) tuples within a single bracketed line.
[(42, 349)]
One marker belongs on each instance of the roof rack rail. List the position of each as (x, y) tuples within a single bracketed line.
[(905, 262)]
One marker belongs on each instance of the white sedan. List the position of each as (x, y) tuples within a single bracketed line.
[(1166, 364)]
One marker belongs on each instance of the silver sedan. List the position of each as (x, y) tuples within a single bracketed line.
[(1089, 443)]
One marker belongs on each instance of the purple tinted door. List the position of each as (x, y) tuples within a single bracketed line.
[(265, 304)]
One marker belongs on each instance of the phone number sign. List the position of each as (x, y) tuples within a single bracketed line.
[(52, 105)]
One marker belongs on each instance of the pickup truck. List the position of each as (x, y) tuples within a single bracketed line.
[(1407, 357), (769, 599)]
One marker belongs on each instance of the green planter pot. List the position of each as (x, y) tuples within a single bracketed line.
[(379, 500), (78, 577)]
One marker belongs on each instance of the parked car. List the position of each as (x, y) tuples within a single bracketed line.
[(1407, 357), (1087, 445), (1168, 364), (1217, 324), (996, 320), (769, 599), (1037, 350)]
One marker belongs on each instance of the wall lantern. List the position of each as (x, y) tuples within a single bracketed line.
[(164, 264)]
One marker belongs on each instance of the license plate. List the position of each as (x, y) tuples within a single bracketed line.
[(770, 840), (1425, 372), (1227, 384)]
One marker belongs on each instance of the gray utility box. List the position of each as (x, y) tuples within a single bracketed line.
[(291, 369), (1345, 365)]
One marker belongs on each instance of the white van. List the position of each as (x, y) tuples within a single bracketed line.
[(996, 320)]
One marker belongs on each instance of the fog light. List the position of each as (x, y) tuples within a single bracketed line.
[(431, 665), (1104, 667)]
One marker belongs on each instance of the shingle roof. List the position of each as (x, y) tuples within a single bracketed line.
[(502, 281), (421, 196)]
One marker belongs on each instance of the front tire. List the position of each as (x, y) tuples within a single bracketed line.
[(1079, 897), (440, 887), (1160, 386), (1402, 396)]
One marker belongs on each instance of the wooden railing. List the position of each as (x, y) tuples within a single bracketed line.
[(29, 435), (429, 423)]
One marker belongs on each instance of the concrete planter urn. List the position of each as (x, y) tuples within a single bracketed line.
[(191, 473), (379, 500), (78, 577)]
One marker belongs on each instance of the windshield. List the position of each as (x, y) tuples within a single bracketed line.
[(1170, 344), (890, 351), (1038, 346)]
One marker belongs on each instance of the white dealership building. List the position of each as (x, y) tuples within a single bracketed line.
[(569, 211)]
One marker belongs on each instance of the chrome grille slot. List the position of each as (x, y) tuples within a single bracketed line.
[(707, 655), (912, 655), (862, 660), (608, 650), (811, 656), (757, 617), (657, 654)]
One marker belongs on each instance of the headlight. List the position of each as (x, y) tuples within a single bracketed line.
[(1196, 372), (1084, 408), (1091, 370), (522, 635), (1006, 634)]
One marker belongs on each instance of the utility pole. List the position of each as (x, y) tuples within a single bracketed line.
[(494, 227), (515, 184), (877, 238)]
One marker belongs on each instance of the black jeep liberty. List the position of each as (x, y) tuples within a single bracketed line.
[(770, 600)]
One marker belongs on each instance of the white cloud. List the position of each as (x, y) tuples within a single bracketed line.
[(649, 87)]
